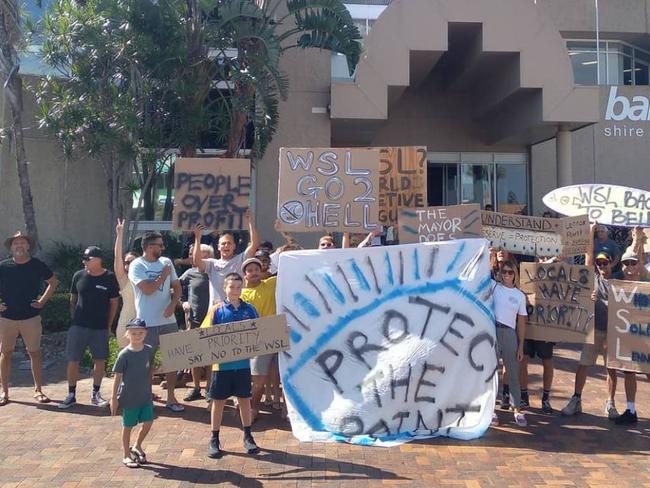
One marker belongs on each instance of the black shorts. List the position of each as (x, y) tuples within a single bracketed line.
[(541, 349), (230, 383)]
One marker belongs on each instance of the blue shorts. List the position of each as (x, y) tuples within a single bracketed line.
[(230, 383), (137, 415)]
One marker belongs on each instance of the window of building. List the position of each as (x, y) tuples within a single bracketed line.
[(620, 63)]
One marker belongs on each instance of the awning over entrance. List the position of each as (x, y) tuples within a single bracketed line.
[(503, 58)]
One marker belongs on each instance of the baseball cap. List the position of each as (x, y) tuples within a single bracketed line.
[(630, 255), (93, 252), (250, 261), (603, 255), (136, 324)]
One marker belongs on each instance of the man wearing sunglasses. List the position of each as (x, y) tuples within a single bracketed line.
[(93, 305), (632, 271), (590, 352)]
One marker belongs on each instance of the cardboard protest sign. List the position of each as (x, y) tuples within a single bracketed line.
[(628, 326), (325, 189), (389, 344), (560, 308), (435, 224), (536, 236), (402, 181), (211, 191), (607, 204), (223, 343)]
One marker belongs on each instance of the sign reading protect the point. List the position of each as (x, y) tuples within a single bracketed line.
[(325, 189), (211, 191), (607, 204)]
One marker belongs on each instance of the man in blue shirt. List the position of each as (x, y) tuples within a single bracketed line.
[(232, 378)]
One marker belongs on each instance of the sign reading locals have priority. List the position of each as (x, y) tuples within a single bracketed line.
[(436, 224), (325, 189), (211, 191), (607, 204), (628, 326), (223, 343), (560, 308), (536, 236)]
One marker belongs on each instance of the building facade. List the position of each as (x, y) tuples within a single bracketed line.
[(512, 98)]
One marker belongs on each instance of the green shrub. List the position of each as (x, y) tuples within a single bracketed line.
[(65, 260), (55, 316)]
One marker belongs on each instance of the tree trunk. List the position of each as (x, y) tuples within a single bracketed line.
[(169, 186)]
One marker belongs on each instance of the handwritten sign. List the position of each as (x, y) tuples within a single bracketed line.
[(536, 236), (391, 344), (402, 181), (607, 204), (628, 326), (324, 189), (211, 191), (435, 224), (560, 308), (223, 343)]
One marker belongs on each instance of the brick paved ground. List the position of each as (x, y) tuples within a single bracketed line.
[(45, 447)]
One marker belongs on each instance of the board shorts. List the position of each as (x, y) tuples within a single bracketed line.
[(154, 332), (590, 352), (29, 329), (79, 338), (137, 415), (541, 349), (230, 383)]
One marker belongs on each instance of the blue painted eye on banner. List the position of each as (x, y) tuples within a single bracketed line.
[(389, 344)]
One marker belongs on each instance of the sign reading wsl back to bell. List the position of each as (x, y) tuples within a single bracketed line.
[(325, 189)]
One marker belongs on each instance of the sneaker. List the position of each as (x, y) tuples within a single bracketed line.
[(505, 402), (573, 407), (69, 401), (214, 449), (495, 419), (610, 410), (193, 395), (626, 418), (524, 403), (546, 406), (520, 419), (250, 446), (98, 401)]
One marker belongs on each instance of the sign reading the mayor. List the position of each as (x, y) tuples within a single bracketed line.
[(536, 236), (389, 344), (223, 343), (560, 308), (628, 326), (402, 181), (435, 224), (211, 191), (325, 189), (607, 204)]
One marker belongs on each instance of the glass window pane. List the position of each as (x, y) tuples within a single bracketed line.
[(451, 188), (512, 188), (641, 74), (584, 67), (477, 184)]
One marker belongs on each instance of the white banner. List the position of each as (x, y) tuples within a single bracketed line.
[(389, 344)]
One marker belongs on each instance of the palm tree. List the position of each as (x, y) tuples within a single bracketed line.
[(10, 38)]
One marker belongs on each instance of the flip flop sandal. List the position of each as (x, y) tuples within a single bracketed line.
[(129, 462), (139, 456), (3, 400), (41, 397)]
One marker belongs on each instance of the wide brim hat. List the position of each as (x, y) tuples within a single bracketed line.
[(250, 261), (17, 235)]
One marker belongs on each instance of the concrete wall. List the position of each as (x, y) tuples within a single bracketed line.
[(621, 16), (69, 197)]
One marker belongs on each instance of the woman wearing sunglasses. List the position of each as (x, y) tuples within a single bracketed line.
[(510, 313)]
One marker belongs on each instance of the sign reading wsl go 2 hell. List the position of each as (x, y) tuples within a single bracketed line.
[(628, 326), (325, 189), (211, 191)]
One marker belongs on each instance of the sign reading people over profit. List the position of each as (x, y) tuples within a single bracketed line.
[(607, 204), (628, 326), (402, 181), (211, 191), (324, 189), (223, 343), (560, 308), (536, 236), (389, 344), (435, 224)]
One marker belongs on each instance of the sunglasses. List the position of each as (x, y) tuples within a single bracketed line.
[(629, 263), (507, 272), (327, 244), (602, 263)]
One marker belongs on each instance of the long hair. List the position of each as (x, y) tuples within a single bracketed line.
[(512, 264)]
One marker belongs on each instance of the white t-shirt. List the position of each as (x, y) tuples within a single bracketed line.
[(508, 303), (150, 308), (217, 270)]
